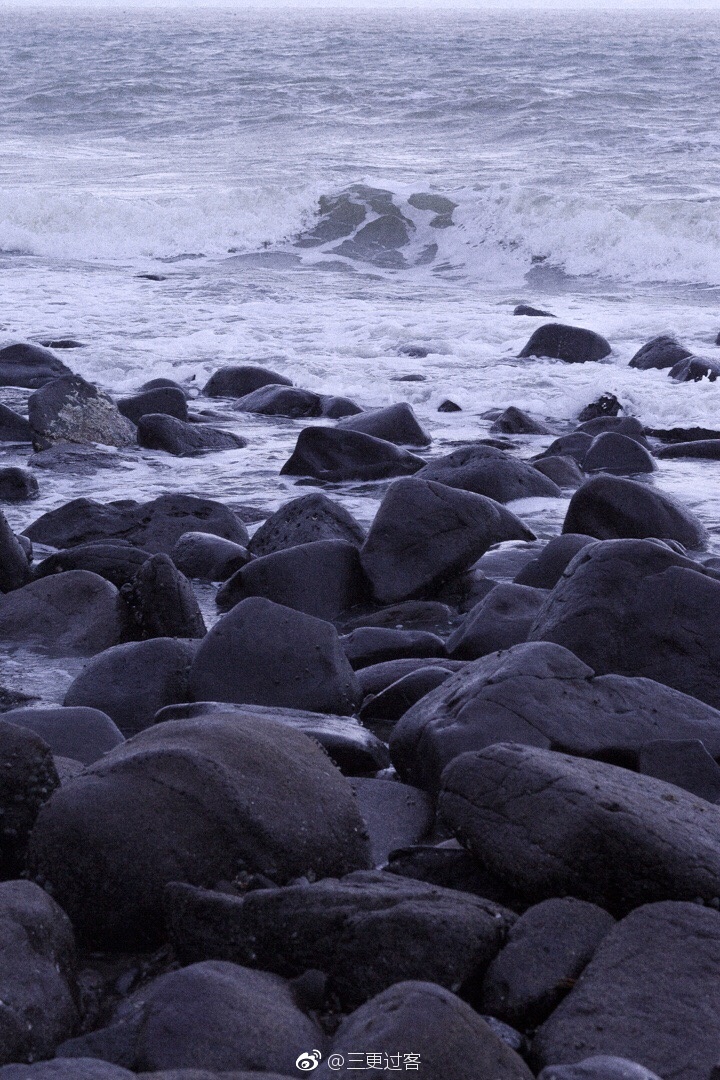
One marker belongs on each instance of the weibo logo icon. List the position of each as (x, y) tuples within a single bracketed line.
[(308, 1062)]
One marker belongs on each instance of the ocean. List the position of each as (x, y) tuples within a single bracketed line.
[(580, 154)]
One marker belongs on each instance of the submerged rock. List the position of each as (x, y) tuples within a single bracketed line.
[(156, 431), (572, 344), (241, 379)]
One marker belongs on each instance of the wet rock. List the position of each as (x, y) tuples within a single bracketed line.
[(82, 735), (514, 421), (605, 405), (162, 603), (539, 694), (334, 454), (241, 379), (562, 470), (262, 653), (429, 200), (73, 1069), (396, 815), (526, 309), (376, 645), (74, 613), (446, 1036), (378, 241), (408, 615), (17, 485), (695, 369), (378, 677), (660, 352), (156, 431), (304, 520), (75, 459), (614, 453), (335, 408), (502, 619), (14, 567), (426, 532), (488, 471), (572, 344), (651, 994), (365, 932), (27, 778), (153, 526), (629, 426), (546, 951), (37, 977), (700, 448), (449, 406), (683, 762), (599, 1067), (339, 216), (132, 681), (159, 384), (550, 565), (575, 446), (197, 801), (215, 1015), (323, 578), (612, 507), (115, 561), (72, 410), (29, 366), (678, 434), (13, 428), (274, 400), (396, 424), (552, 825), (205, 557), (380, 712), (166, 400)]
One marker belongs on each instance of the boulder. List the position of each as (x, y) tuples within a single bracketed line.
[(502, 619), (13, 428), (37, 974), (697, 448), (396, 815), (629, 426), (27, 778), (552, 562), (395, 423), (545, 953), (540, 694), (408, 615), (380, 712), (513, 421), (378, 677), (365, 932), (80, 734), (161, 383), (116, 561), (131, 682), (69, 409), (613, 508), (198, 801), (333, 454), (526, 309), (651, 994), (683, 434), (77, 1069), (154, 526), (638, 608), (660, 352), (304, 520), (335, 408), (561, 469), (683, 762), (695, 369), (262, 653), (553, 825), (605, 405), (323, 578), (29, 366), (449, 866), (448, 406), (74, 613), (488, 471), (156, 431), (215, 1016), (599, 1067), (375, 645), (17, 485), (425, 532), (614, 453), (569, 343), (242, 379), (162, 603), (14, 565), (205, 557), (575, 446), (279, 400), (422, 1023), (166, 400)]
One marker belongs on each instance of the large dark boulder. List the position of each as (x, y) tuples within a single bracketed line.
[(156, 431), (697, 448), (213, 1016), (503, 618), (131, 682), (683, 762), (205, 557), (278, 400), (169, 400), (74, 613), (605, 405), (241, 379), (395, 423), (613, 508), (304, 520), (70, 409), (569, 343), (323, 578), (553, 825), (612, 452), (17, 485), (262, 653), (377, 677), (629, 426), (396, 815), (651, 994), (334, 455), (162, 603), (380, 712), (563, 471), (660, 352), (38, 989), (639, 608), (540, 694), (13, 428), (552, 562), (29, 366), (425, 532), (376, 645), (153, 526), (80, 734), (488, 471), (197, 801), (575, 446), (365, 932), (116, 561), (27, 779), (599, 1067), (513, 421), (695, 369), (14, 566)]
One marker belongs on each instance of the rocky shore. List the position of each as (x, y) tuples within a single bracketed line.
[(431, 796)]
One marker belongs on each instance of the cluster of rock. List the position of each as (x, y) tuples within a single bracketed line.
[(388, 804)]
